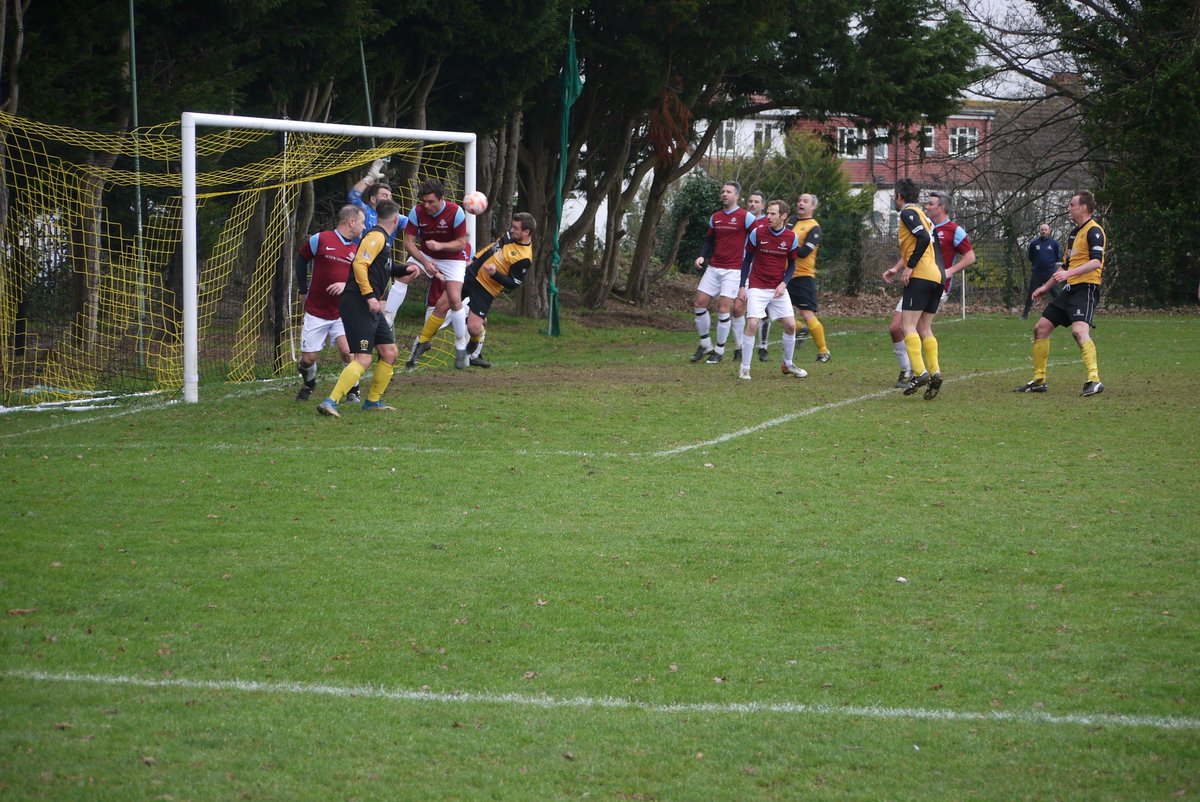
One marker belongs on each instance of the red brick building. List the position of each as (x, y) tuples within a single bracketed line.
[(948, 153)]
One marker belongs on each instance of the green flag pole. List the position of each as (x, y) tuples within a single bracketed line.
[(572, 86)]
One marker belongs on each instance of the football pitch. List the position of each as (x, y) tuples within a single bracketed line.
[(598, 571)]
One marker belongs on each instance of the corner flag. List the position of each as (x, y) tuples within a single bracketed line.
[(572, 87)]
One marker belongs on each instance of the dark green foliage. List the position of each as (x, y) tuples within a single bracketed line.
[(907, 72), (1142, 111), (698, 197)]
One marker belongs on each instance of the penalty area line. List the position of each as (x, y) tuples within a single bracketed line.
[(616, 703)]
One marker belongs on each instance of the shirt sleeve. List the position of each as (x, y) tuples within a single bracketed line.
[(372, 244), (912, 222), (1095, 238), (516, 274), (811, 241), (962, 243)]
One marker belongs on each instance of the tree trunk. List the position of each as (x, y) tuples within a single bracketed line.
[(598, 283), (418, 97), (638, 288), (537, 172), (680, 230), (506, 169)]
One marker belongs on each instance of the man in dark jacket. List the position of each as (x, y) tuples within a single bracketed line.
[(1044, 257)]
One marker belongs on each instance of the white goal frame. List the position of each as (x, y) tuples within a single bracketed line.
[(191, 278)]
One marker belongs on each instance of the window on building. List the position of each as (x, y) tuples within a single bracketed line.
[(930, 144), (881, 143), (726, 138), (850, 143), (964, 142), (762, 135)]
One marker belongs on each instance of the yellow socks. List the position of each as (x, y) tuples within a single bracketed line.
[(380, 381), (1088, 351), (929, 347), (817, 332), (350, 376), (432, 324), (1041, 356), (912, 344)]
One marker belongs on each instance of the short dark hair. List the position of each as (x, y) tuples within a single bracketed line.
[(526, 220), (1087, 199), (431, 186), (373, 190), (386, 210), (907, 188), (759, 193), (736, 185)]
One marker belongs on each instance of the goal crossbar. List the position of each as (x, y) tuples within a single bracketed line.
[(189, 122)]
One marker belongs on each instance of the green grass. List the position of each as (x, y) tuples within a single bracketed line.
[(596, 519)]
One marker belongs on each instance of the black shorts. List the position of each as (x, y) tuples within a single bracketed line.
[(481, 299), (921, 294), (803, 292), (1075, 303), (365, 330)]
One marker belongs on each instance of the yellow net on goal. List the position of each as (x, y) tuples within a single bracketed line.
[(90, 289)]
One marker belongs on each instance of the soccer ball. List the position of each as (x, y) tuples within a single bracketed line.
[(475, 202)]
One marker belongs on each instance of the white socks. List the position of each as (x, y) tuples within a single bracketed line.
[(789, 347), (902, 356), (395, 298)]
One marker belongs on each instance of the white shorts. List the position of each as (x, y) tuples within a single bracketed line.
[(760, 303), (450, 269), (720, 282), (319, 332)]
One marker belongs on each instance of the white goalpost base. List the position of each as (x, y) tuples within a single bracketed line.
[(189, 122)]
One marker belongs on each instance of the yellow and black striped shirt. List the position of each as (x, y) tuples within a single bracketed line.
[(1085, 243), (808, 236), (916, 231)]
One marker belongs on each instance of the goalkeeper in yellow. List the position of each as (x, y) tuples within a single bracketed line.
[(502, 265)]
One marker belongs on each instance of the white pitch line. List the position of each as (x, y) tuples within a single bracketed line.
[(264, 387), (802, 413), (257, 389), (616, 703)]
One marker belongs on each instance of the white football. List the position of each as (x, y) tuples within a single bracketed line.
[(475, 202)]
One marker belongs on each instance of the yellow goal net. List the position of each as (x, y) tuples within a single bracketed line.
[(141, 263)]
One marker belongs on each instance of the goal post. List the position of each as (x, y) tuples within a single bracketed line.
[(146, 262), (190, 121)]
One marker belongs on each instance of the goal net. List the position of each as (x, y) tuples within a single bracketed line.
[(159, 260)]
